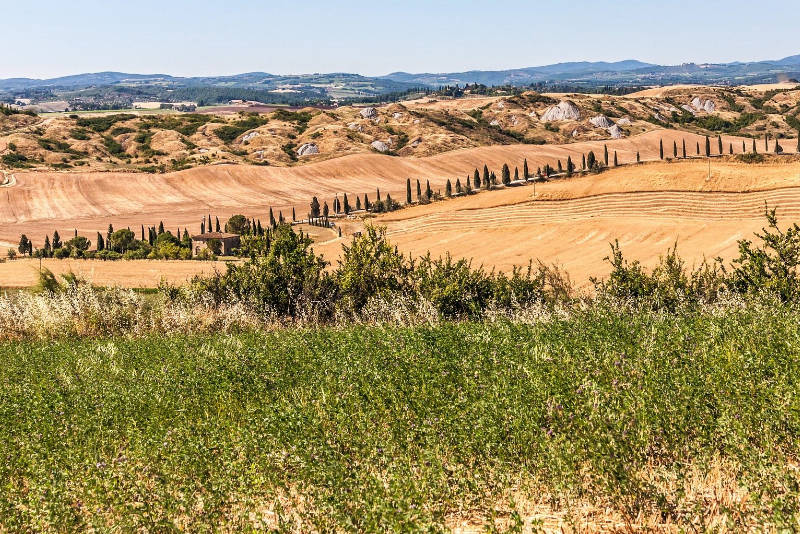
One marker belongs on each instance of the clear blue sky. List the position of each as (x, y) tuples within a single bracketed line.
[(45, 38)]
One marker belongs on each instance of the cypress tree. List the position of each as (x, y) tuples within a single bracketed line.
[(76, 232), (476, 180), (708, 147), (366, 202), (506, 174), (798, 141), (744, 148), (108, 235), (347, 202), (638, 158), (570, 166), (778, 147), (675, 149), (100, 243), (448, 189), (698, 148), (730, 148), (591, 160), (202, 227), (459, 188), (684, 149), (419, 190), (525, 173), (408, 190), (294, 217), (616, 163), (661, 149), (468, 188), (560, 168), (325, 211), (57, 239), (719, 142), (281, 220), (486, 175), (605, 155), (217, 227), (46, 249), (314, 213), (766, 142), (377, 194), (516, 173), (493, 178), (583, 161), (185, 235), (358, 203), (141, 234), (754, 146), (428, 191), (272, 216), (161, 226)]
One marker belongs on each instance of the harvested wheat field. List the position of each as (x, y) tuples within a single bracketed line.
[(121, 273), (570, 222), (40, 202)]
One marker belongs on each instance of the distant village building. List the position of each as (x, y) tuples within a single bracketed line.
[(228, 242)]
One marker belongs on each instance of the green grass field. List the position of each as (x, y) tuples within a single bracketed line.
[(367, 428)]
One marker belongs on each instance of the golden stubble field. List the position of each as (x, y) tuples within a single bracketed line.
[(569, 222)]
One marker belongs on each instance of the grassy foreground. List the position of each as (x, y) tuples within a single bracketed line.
[(683, 419)]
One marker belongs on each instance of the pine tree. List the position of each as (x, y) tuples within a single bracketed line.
[(505, 174), (616, 162), (448, 189), (684, 149), (719, 142), (661, 149), (57, 239), (408, 190), (708, 147), (100, 243), (605, 155), (525, 172)]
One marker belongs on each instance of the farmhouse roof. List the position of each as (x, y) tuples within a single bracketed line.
[(213, 235)]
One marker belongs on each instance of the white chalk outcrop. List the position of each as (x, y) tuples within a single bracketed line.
[(601, 121), (566, 110), (380, 146), (308, 149), (369, 113)]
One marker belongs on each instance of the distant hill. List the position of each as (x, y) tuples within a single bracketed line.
[(119, 88)]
